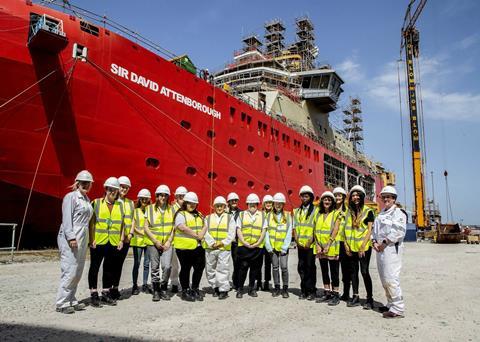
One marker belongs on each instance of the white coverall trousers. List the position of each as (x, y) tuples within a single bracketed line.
[(72, 261), (218, 269), (389, 264)]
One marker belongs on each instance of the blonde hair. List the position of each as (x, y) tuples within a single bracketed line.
[(75, 186)]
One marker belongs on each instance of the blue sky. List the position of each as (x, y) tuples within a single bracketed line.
[(361, 40)]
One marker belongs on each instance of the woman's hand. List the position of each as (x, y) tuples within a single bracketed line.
[(93, 244), (166, 246), (158, 245), (120, 246)]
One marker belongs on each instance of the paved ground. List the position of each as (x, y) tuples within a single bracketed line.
[(440, 284)]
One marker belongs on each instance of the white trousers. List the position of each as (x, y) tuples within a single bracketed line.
[(72, 261), (389, 264), (217, 268)]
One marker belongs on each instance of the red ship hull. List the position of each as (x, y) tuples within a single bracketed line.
[(114, 125)]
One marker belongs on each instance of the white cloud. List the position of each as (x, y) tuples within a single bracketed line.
[(350, 70), (469, 41)]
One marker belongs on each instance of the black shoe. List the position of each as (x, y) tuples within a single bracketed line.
[(135, 290), (285, 292), (163, 292), (345, 297), (252, 293), (147, 289), (174, 288), (355, 301), (368, 304), (223, 295), (114, 293), (335, 300), (215, 292), (197, 295), (383, 309), (266, 286), (311, 296), (107, 299), (187, 296), (66, 310), (302, 296), (327, 295), (276, 291), (79, 307), (156, 292), (95, 300), (239, 293)]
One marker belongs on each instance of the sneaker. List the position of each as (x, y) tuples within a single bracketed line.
[(383, 309), (95, 300), (355, 301), (79, 307), (163, 292), (253, 293), (186, 296), (276, 292), (223, 295), (215, 292), (311, 296), (345, 297), (107, 299), (147, 289), (239, 293), (390, 314), (66, 310), (335, 300), (115, 294), (135, 290), (325, 297), (285, 293), (368, 304), (197, 295)]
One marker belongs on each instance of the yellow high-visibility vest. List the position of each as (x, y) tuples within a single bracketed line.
[(108, 224), (341, 216), (129, 208), (160, 223), (217, 227), (304, 226), (184, 241), (354, 236), (137, 239), (252, 231), (277, 231), (323, 231)]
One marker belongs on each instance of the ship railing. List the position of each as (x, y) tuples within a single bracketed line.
[(12, 248), (49, 24)]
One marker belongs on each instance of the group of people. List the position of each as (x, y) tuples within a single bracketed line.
[(178, 244)]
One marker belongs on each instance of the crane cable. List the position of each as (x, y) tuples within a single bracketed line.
[(212, 138), (50, 126), (401, 131)]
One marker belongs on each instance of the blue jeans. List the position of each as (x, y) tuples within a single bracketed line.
[(137, 256)]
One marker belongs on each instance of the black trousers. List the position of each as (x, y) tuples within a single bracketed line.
[(191, 258), (362, 264), (121, 256), (307, 270), (236, 266), (249, 259), (330, 268), (109, 255), (267, 264), (345, 267)]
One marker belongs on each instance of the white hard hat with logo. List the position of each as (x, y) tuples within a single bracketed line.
[(305, 189), (219, 200), (162, 189), (252, 198), (327, 194), (389, 190), (279, 198), (232, 196), (357, 188), (144, 193), (112, 182), (339, 190), (191, 197), (84, 176), (267, 198), (181, 190), (124, 180)]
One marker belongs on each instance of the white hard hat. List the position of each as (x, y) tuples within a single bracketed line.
[(279, 198), (181, 190), (124, 180), (112, 182), (234, 196), (162, 189), (339, 190), (389, 190), (219, 200), (252, 198), (357, 188), (267, 198), (327, 194), (305, 189), (191, 197), (144, 193), (84, 176)]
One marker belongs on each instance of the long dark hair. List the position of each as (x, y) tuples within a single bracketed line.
[(323, 210), (138, 203), (310, 205), (343, 207), (195, 213), (352, 206)]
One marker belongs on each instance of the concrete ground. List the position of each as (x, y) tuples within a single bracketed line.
[(440, 285)]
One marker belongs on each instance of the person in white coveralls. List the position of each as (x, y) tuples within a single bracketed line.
[(388, 233)]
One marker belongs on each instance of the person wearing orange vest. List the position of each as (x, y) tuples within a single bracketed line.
[(251, 234), (189, 232), (159, 230), (278, 225), (327, 248), (357, 230), (105, 241), (220, 232), (137, 236)]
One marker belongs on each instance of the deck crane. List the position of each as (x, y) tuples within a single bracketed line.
[(410, 42)]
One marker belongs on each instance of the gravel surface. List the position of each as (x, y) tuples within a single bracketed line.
[(439, 283)]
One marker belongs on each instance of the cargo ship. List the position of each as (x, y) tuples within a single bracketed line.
[(79, 91)]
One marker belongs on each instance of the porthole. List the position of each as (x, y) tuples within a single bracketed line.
[(300, 167), (232, 142), (212, 175), (191, 171), (251, 184), (185, 124), (290, 192), (310, 171), (152, 162), (250, 148), (266, 155), (289, 163), (266, 187), (232, 180), (210, 100), (210, 134), (277, 158)]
